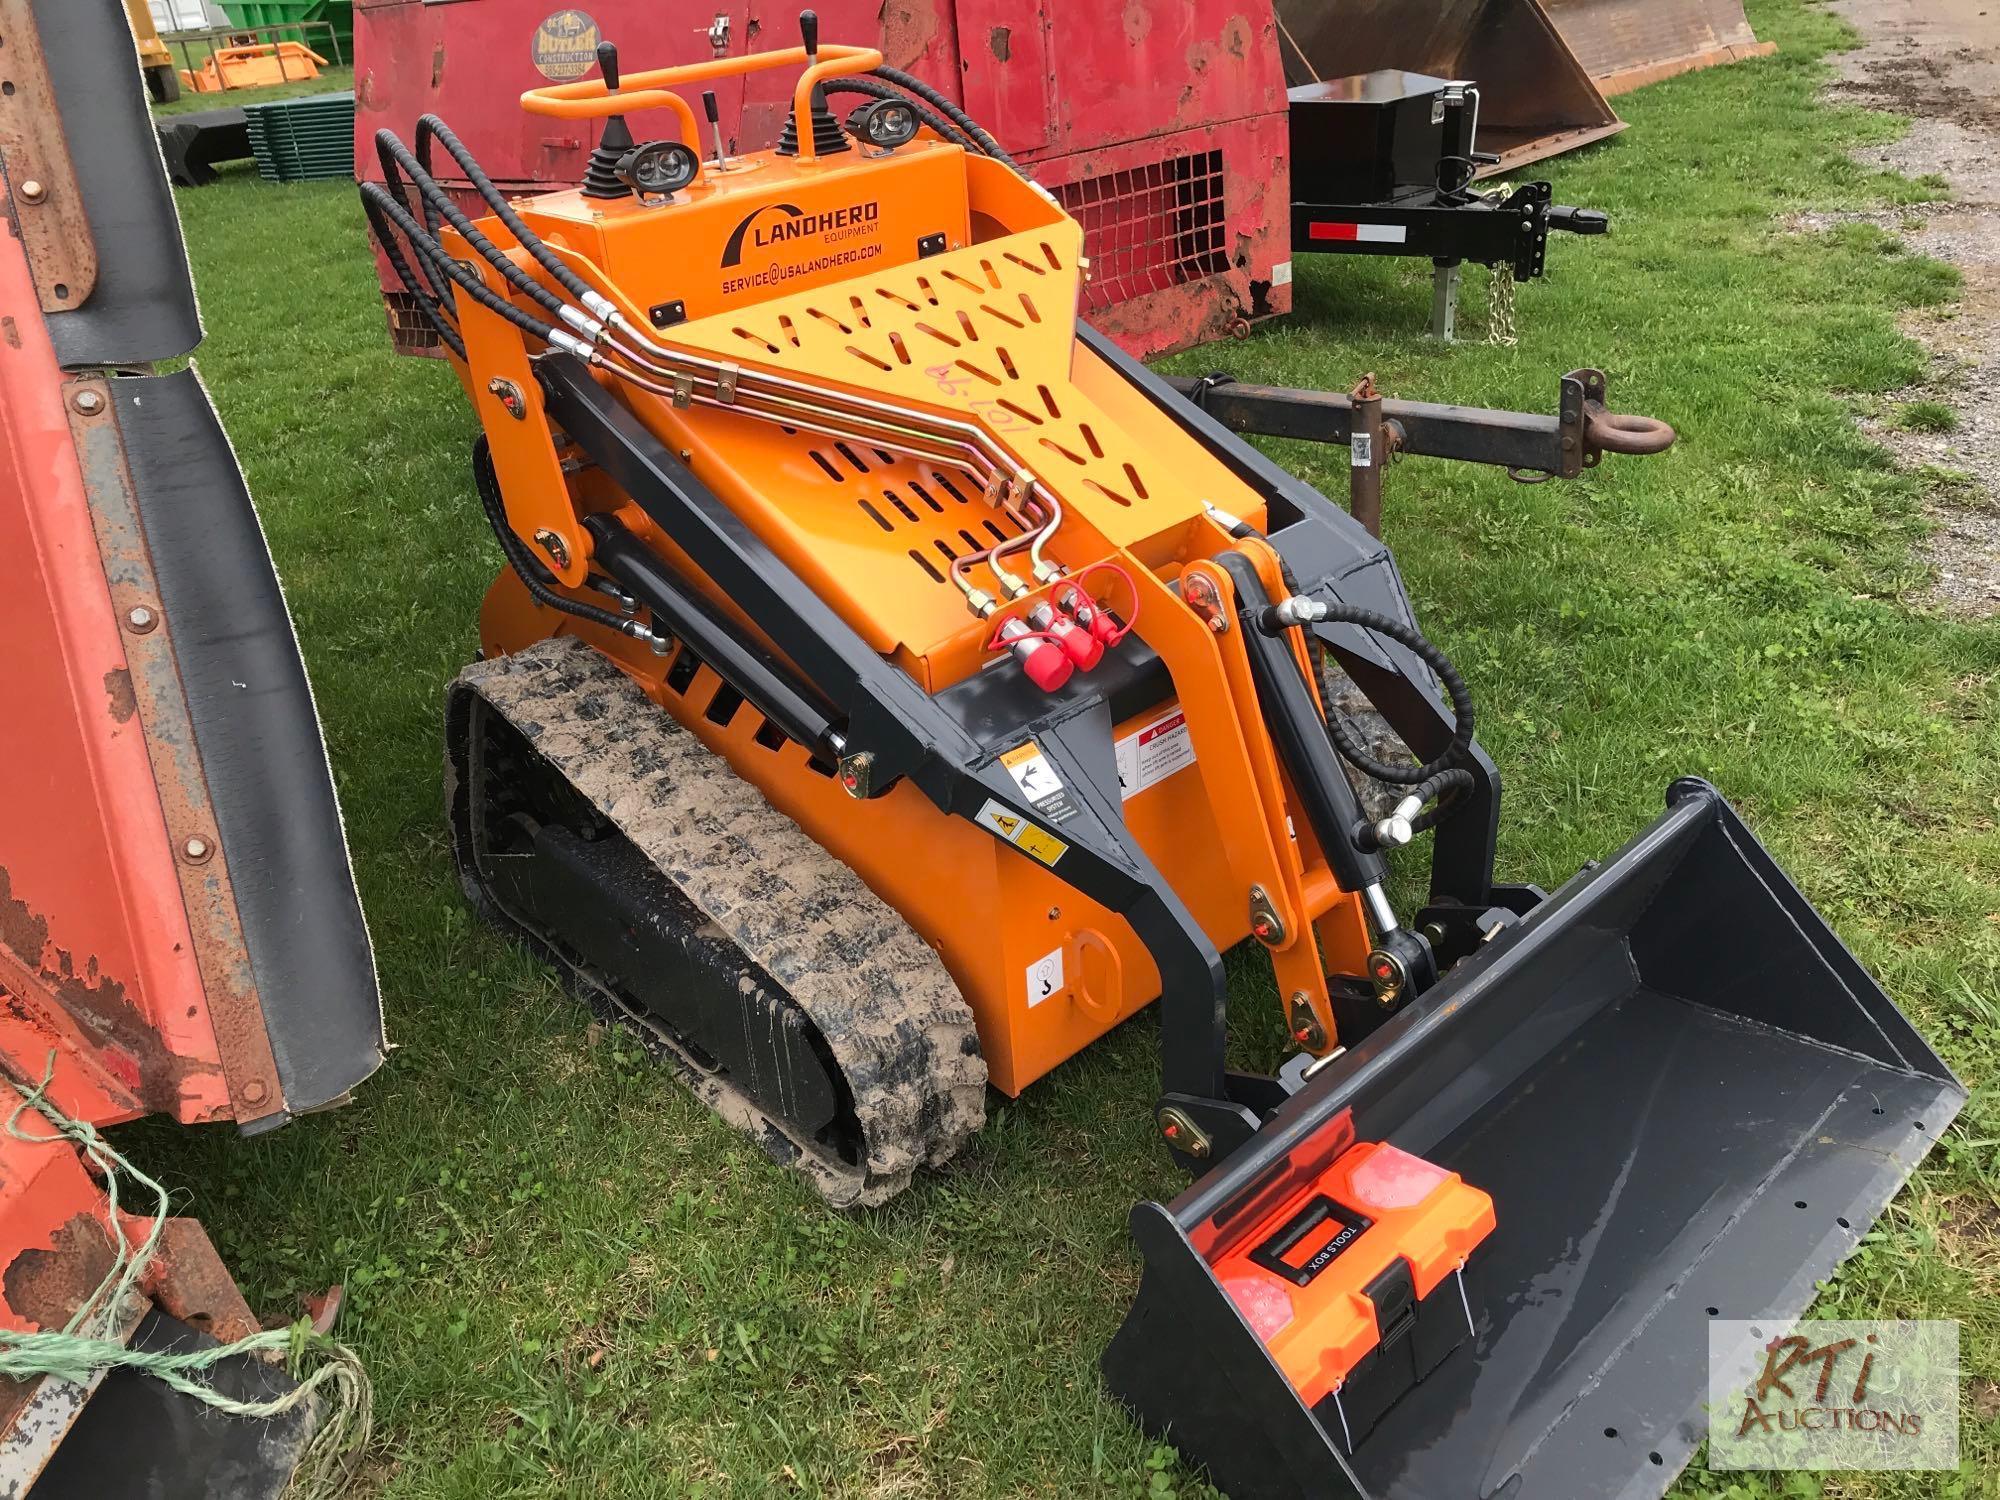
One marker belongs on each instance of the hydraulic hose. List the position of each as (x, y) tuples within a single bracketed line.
[(1457, 753), (395, 154), (873, 88), (1437, 785), (429, 127), (537, 579), (468, 283), (911, 84), (428, 299)]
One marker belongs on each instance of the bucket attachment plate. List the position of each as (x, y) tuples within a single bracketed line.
[(1686, 1099)]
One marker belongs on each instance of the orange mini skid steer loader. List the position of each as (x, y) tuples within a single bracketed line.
[(893, 687)]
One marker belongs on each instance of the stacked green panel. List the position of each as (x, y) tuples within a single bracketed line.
[(302, 140)]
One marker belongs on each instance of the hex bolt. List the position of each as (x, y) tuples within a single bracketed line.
[(139, 619), (32, 191), (197, 849), (254, 1091), (89, 402)]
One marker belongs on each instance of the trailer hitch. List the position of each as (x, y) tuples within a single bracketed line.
[(1531, 447)]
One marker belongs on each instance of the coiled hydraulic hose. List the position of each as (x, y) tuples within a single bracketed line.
[(1437, 785), (463, 278), (978, 133), (427, 292), (539, 582)]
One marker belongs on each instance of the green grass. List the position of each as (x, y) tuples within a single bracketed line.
[(568, 1280), (331, 80), (1927, 416)]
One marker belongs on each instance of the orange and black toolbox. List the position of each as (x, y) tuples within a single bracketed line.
[(1355, 1279), (1319, 1290)]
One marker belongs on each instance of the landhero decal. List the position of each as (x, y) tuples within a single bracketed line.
[(778, 225)]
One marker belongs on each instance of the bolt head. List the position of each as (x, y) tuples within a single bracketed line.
[(90, 403), (32, 191), (197, 849), (139, 619), (254, 1091)]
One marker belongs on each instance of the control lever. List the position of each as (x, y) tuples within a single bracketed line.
[(708, 107), (600, 177), (828, 138)]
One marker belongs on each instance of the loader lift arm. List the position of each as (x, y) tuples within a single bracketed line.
[(907, 732), (949, 743)]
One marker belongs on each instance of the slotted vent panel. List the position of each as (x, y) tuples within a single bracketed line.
[(932, 515), (986, 332)]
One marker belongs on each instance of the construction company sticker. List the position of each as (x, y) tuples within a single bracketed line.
[(565, 46), (1039, 783), (1021, 833), (1153, 753), (1045, 978)]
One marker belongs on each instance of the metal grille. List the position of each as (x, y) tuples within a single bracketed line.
[(1149, 228)]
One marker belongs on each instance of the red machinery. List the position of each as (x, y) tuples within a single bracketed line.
[(179, 931), (1161, 128)]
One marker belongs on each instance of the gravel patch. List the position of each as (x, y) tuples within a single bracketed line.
[(1938, 61)]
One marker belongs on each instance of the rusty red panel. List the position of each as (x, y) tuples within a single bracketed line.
[(97, 960), (1008, 72), (1135, 69), (1189, 235)]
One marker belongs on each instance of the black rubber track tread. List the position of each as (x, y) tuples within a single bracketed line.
[(894, 1019)]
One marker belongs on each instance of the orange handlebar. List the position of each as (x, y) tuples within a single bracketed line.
[(588, 99)]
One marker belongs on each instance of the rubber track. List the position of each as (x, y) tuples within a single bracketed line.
[(895, 1021)]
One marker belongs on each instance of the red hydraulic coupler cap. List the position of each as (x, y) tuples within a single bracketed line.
[(1046, 664), (1080, 646), (1104, 625)]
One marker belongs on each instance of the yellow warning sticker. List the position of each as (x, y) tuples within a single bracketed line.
[(1028, 837), (1044, 845)]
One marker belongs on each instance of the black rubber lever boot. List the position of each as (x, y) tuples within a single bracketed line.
[(600, 178), (828, 137)]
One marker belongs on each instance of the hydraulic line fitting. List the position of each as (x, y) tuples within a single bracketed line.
[(1080, 645), (1093, 617), (1048, 666)]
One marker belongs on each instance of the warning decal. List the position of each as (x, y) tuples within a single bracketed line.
[(1153, 753), (1045, 978), (1028, 837), (1039, 782)]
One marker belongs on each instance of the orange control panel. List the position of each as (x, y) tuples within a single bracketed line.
[(1303, 1280)]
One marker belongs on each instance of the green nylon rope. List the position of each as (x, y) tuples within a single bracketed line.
[(87, 1344)]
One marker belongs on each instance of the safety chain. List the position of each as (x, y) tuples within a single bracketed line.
[(1500, 328)]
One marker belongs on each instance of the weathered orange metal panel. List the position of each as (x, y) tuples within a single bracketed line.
[(97, 958)]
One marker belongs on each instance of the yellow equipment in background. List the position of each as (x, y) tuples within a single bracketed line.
[(163, 80), (255, 66)]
